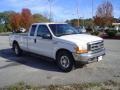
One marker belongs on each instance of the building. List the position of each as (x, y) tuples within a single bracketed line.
[(117, 26)]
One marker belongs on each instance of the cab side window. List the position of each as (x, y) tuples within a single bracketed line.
[(42, 29), (32, 32)]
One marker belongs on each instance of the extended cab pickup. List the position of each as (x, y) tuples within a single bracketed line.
[(61, 42)]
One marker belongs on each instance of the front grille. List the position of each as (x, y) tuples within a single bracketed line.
[(95, 47)]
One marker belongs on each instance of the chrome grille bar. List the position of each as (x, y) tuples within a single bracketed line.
[(96, 46)]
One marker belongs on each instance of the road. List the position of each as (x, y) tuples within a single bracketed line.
[(36, 71)]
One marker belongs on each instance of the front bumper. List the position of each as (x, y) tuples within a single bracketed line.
[(88, 57)]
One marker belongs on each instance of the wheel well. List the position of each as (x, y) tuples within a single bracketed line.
[(61, 50), (14, 42)]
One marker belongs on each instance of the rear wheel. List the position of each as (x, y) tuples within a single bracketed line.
[(17, 49), (65, 61)]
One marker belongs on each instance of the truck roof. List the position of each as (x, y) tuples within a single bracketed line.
[(46, 23)]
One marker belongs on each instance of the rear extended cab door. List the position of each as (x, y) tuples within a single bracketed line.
[(32, 38)]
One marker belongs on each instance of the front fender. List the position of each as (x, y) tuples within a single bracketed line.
[(63, 45)]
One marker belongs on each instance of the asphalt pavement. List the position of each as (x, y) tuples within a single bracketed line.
[(36, 71)]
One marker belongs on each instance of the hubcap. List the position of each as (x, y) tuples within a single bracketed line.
[(65, 61)]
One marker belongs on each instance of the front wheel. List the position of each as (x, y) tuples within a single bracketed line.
[(65, 61), (17, 49)]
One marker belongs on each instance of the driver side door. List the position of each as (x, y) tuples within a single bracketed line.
[(44, 45)]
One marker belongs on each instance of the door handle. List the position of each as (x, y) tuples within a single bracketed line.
[(35, 40)]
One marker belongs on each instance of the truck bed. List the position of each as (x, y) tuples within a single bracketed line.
[(21, 34)]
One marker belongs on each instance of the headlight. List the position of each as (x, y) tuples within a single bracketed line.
[(80, 51)]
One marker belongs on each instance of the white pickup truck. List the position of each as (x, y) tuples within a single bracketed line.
[(61, 42)]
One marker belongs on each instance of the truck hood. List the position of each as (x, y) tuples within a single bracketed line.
[(80, 40)]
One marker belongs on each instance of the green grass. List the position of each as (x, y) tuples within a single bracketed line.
[(108, 85)]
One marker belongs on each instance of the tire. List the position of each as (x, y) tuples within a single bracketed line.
[(17, 50), (65, 61)]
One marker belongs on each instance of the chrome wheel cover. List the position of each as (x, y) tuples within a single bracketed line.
[(64, 61)]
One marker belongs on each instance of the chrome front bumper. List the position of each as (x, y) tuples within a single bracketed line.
[(88, 57)]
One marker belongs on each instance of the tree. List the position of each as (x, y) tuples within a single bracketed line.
[(10, 20), (73, 22), (83, 22), (5, 20), (104, 14), (39, 18), (26, 18), (15, 21), (116, 20), (99, 21)]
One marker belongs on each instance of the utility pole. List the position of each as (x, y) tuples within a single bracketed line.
[(92, 16), (92, 9), (50, 10), (78, 12), (83, 22)]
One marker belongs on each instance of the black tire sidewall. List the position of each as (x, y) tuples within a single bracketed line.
[(71, 65), (19, 50)]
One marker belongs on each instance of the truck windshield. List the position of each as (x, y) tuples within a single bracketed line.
[(63, 29)]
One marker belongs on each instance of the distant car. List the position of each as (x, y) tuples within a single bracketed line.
[(100, 29), (81, 29), (22, 30)]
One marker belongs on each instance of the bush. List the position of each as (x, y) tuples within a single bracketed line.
[(89, 29), (111, 33), (95, 33), (1, 28), (119, 30), (106, 30)]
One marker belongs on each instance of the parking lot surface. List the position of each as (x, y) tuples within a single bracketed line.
[(36, 71)]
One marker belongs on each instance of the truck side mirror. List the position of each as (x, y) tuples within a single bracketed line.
[(46, 36)]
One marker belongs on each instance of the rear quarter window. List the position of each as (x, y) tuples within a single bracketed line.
[(32, 32)]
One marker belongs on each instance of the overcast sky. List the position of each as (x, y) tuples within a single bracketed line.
[(61, 9)]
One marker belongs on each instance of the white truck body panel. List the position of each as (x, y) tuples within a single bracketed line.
[(80, 39), (49, 47)]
